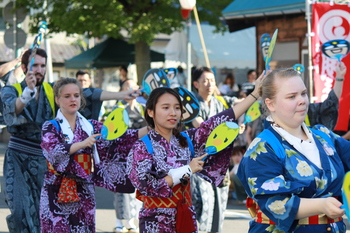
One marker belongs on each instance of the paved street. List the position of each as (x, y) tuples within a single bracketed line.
[(236, 216)]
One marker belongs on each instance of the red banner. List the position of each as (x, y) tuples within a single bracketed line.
[(330, 22)]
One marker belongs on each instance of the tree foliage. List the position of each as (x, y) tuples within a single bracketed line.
[(141, 19)]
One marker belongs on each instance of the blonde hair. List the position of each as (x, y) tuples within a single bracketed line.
[(269, 89), (65, 81)]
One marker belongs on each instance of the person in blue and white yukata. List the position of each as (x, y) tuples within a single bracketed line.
[(292, 173)]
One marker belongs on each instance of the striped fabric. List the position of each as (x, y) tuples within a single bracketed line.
[(260, 217), (180, 192), (25, 146)]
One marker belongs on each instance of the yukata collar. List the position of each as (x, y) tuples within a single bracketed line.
[(303, 146), (69, 134), (287, 136)]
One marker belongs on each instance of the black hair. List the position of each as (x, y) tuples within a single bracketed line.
[(82, 72), (123, 67), (151, 105), (250, 71), (180, 69), (197, 73)]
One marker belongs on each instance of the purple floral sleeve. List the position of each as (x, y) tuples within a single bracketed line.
[(110, 173), (216, 165), (144, 173)]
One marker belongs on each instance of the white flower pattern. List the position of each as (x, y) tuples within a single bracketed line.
[(270, 185), (304, 169), (278, 207)]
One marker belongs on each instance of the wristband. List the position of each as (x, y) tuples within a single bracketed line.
[(254, 96), (180, 175), (339, 79), (27, 95)]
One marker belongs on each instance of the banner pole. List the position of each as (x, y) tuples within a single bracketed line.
[(309, 34), (201, 37)]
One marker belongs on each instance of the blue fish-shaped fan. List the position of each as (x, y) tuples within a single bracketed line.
[(190, 104), (153, 79)]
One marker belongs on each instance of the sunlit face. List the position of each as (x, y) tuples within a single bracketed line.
[(167, 113), (84, 80), (252, 76), (69, 99), (39, 69), (289, 107), (130, 85), (205, 84)]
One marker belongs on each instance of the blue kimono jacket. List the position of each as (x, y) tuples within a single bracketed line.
[(278, 181)]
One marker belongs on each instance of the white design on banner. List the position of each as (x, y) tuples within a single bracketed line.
[(334, 25)]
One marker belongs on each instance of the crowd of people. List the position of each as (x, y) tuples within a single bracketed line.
[(158, 169)]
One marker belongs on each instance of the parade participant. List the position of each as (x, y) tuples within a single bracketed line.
[(69, 143), (326, 112), (298, 171), (123, 71), (26, 107), (229, 87), (10, 72), (160, 165), (126, 205), (323, 113), (248, 87), (209, 200), (94, 96)]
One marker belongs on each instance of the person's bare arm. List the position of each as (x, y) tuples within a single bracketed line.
[(6, 67), (243, 106), (121, 95), (315, 206), (346, 136), (339, 80), (197, 121), (88, 142)]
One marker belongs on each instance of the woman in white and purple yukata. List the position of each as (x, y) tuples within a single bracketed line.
[(78, 160), (161, 164)]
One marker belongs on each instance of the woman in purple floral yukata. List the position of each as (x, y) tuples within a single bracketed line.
[(69, 143), (161, 164)]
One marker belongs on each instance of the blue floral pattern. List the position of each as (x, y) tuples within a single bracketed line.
[(277, 182)]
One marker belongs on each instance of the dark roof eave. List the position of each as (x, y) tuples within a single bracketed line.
[(236, 24), (264, 14), (234, 10)]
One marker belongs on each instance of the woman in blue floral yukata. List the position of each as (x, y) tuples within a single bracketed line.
[(293, 174), (161, 164)]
